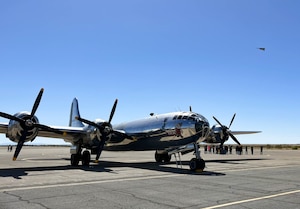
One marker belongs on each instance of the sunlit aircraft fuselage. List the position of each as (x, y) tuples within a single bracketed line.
[(158, 132)]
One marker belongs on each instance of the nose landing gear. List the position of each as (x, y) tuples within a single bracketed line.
[(197, 163)]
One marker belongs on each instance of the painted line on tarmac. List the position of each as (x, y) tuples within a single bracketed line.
[(252, 199), (257, 168), (90, 182)]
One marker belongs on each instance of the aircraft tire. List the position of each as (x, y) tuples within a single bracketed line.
[(166, 158), (158, 157), (163, 157), (196, 164), (75, 159), (86, 158), (201, 164)]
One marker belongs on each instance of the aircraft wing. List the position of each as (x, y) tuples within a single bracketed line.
[(3, 127), (244, 132), (68, 133)]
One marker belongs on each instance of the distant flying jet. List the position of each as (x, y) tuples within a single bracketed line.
[(262, 49)]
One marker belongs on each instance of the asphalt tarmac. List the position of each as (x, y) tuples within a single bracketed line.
[(43, 178)]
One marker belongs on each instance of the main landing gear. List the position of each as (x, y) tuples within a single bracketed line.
[(76, 156)]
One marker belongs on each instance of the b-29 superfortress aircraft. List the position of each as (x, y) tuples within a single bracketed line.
[(166, 133)]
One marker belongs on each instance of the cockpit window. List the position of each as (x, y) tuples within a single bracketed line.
[(175, 117), (179, 117), (184, 117), (191, 118)]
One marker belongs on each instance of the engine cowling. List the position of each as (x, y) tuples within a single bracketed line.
[(216, 135), (220, 134), (14, 130)]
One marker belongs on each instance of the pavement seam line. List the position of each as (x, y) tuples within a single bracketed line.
[(252, 199), (87, 183)]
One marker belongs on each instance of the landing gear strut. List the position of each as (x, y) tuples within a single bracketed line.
[(76, 156), (197, 163)]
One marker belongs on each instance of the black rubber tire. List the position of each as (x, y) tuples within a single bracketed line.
[(201, 164), (197, 164), (193, 164), (86, 158), (75, 159), (166, 158), (158, 157)]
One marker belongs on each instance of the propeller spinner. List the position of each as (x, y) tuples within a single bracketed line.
[(226, 131)]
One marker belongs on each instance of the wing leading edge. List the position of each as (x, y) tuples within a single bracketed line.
[(244, 132)]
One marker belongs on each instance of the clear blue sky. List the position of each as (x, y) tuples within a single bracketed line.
[(155, 56)]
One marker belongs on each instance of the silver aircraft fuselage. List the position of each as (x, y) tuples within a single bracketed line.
[(159, 132)]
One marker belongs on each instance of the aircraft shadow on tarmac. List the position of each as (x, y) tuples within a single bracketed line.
[(107, 166)]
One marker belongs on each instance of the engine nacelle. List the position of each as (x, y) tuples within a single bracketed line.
[(216, 135), (14, 130)]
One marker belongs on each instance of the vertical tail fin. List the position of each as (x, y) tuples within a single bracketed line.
[(75, 113)]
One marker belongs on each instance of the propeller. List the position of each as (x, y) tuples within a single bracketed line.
[(226, 131), (105, 128), (113, 111), (102, 126), (11, 117), (28, 124)]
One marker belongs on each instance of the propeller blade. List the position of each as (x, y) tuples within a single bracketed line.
[(232, 120), (234, 138), (226, 130), (99, 149), (218, 121), (47, 128), (37, 102), (89, 122), (20, 145), (11, 117), (113, 111)]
